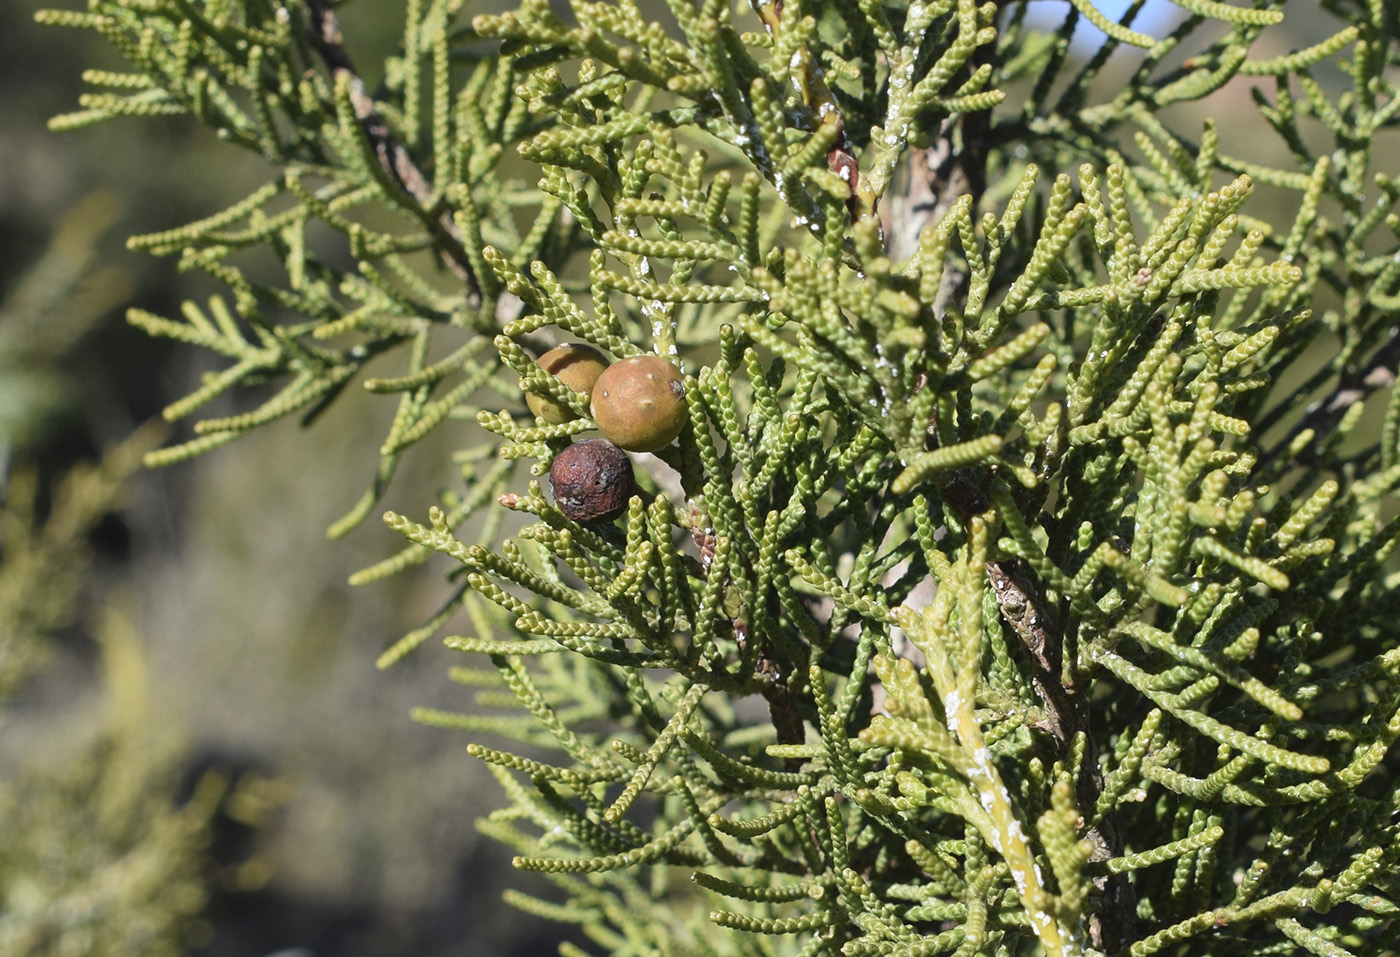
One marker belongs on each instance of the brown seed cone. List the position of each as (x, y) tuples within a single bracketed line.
[(592, 481), (639, 403), (576, 365)]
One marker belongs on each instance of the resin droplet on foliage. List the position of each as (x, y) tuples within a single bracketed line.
[(639, 403), (591, 481), (578, 367)]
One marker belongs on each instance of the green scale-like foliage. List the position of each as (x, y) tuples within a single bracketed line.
[(1001, 591)]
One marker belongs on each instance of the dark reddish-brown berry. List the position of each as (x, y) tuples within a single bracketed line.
[(592, 481), (578, 367), (639, 403)]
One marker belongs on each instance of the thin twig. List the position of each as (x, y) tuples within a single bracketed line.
[(324, 31), (808, 75), (1323, 416), (1111, 926)]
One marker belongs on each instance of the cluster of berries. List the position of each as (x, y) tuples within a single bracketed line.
[(638, 404)]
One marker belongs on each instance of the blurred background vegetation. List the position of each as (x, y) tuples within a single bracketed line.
[(190, 716), (197, 754)]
